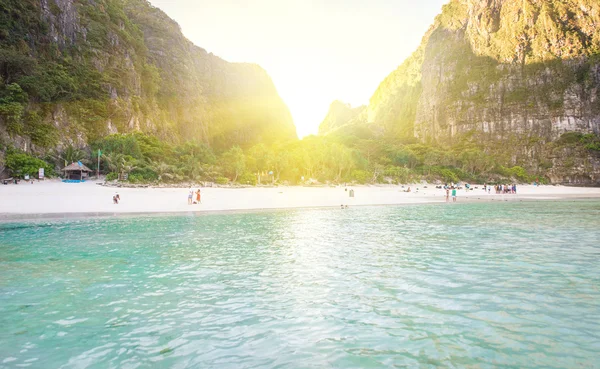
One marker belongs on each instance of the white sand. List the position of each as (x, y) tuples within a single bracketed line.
[(54, 197)]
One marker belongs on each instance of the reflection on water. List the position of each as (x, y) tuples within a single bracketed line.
[(476, 285)]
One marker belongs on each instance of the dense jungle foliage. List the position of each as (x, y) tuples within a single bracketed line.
[(139, 158)]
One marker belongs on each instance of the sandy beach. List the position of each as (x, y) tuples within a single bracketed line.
[(54, 197)]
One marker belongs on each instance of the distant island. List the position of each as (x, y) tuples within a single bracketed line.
[(508, 92)]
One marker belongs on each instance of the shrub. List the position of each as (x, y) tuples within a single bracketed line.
[(222, 180), (449, 176), (144, 174), (248, 178), (126, 144), (112, 176), (570, 138), (135, 178), (42, 134), (591, 142), (593, 146), (546, 164), (21, 164), (519, 173), (12, 113), (464, 176), (399, 174), (516, 172), (12, 107), (360, 176)]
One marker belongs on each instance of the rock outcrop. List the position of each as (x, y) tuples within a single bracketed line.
[(513, 75)]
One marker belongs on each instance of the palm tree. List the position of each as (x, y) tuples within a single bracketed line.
[(120, 164), (129, 164), (72, 154), (69, 154), (164, 170), (112, 161)]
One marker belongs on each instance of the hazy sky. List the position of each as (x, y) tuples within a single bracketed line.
[(316, 51)]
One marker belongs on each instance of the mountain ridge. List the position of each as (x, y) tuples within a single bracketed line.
[(505, 73)]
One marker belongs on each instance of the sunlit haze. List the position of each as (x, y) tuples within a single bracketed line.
[(316, 51)]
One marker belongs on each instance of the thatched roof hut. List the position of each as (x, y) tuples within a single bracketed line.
[(76, 171)]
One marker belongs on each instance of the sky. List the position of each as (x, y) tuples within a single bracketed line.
[(316, 51)]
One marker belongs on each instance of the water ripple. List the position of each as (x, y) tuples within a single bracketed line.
[(474, 286)]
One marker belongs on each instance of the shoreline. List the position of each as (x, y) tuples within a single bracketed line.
[(57, 200), (7, 218)]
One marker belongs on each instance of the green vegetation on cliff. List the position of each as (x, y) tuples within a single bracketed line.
[(511, 76), (74, 71)]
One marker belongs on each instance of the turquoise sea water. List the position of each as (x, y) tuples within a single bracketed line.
[(494, 285)]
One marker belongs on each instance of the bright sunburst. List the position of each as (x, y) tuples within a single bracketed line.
[(316, 52)]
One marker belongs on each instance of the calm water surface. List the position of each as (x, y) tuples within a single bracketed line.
[(510, 285)]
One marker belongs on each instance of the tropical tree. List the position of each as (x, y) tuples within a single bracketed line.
[(280, 161), (261, 159), (371, 149), (21, 164), (120, 164), (406, 158), (431, 159), (163, 170), (190, 166), (129, 164), (339, 160), (378, 170), (474, 161), (69, 154), (234, 162)]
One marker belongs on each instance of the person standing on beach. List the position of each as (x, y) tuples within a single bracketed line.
[(447, 194), (190, 196), (453, 194), (198, 199)]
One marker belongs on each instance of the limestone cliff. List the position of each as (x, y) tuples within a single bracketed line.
[(76, 70), (514, 75), (340, 115)]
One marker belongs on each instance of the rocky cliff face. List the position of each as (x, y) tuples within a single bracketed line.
[(511, 67), (513, 75), (76, 70), (340, 115)]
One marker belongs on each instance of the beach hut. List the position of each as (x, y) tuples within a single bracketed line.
[(76, 172)]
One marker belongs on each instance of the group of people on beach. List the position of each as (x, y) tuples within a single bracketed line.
[(448, 190), (499, 189), (502, 189), (196, 194)]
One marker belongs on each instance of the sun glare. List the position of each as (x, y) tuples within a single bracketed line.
[(315, 52)]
